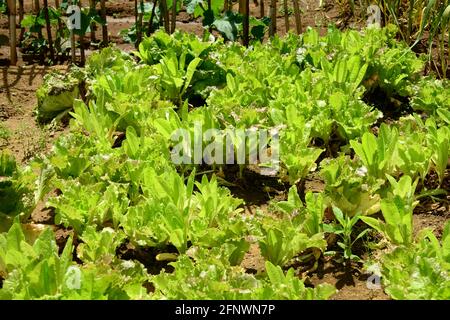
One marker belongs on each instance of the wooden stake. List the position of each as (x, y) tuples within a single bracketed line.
[(136, 12), (246, 22), (105, 25), (59, 20), (49, 31), (165, 14), (298, 18), (93, 25), (286, 15), (150, 21), (139, 24), (12, 32), (241, 6), (273, 18), (174, 16), (209, 8), (21, 12), (82, 54), (72, 46), (37, 8)]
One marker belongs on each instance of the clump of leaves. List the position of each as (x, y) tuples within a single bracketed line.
[(344, 229), (421, 271), (297, 230), (349, 187), (397, 211), (203, 275)]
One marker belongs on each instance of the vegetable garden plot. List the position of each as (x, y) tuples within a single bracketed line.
[(117, 184)]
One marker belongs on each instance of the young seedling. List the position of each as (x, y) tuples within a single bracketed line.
[(345, 229)]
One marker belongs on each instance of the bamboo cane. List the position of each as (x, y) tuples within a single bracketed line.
[(104, 25), (93, 25), (72, 41), (273, 18), (246, 22), (286, 15), (150, 21), (37, 8), (59, 20), (165, 14), (298, 18), (21, 13), (49, 31), (136, 12), (12, 31), (174, 16), (139, 23)]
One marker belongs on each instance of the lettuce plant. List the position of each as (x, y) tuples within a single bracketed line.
[(95, 204), (174, 78), (99, 246), (310, 216), (37, 271), (431, 95), (397, 211), (203, 278), (296, 231), (349, 187), (421, 271), (377, 153), (414, 156), (439, 140), (57, 94), (296, 156), (16, 189)]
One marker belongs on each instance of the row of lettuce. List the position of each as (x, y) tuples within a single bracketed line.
[(116, 183)]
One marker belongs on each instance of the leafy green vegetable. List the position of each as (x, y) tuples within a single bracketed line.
[(57, 93), (377, 154), (296, 231), (420, 272), (37, 271), (203, 278), (349, 187), (397, 212), (345, 229)]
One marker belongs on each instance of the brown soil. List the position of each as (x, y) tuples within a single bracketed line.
[(350, 282), (434, 212), (17, 104), (146, 256)]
